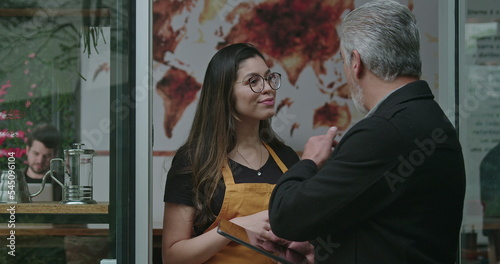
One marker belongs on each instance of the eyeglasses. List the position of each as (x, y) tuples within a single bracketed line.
[(256, 82)]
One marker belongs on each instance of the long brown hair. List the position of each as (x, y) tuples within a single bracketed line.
[(213, 132)]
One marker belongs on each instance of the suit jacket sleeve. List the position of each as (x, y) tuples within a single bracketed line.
[(353, 184)]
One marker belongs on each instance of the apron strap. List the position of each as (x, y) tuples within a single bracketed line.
[(228, 175), (276, 158)]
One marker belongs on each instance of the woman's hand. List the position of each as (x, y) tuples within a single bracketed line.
[(257, 223), (262, 236), (178, 243)]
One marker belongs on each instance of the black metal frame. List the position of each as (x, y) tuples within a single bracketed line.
[(122, 137)]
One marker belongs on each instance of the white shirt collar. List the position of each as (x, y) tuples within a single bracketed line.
[(370, 113)]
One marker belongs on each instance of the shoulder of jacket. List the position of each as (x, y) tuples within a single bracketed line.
[(388, 113)]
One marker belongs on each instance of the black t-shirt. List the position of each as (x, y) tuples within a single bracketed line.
[(178, 187)]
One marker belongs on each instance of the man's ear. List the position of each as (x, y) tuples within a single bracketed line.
[(27, 148), (357, 64)]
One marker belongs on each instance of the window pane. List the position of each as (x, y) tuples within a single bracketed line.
[(479, 115), (57, 60)]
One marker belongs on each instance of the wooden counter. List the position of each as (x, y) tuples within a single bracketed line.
[(55, 208), (59, 230), (491, 223), (53, 230)]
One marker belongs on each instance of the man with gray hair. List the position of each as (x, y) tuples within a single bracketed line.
[(392, 189)]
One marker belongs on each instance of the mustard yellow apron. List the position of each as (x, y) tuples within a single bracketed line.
[(240, 200)]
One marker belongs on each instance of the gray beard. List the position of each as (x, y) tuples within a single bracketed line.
[(358, 99)]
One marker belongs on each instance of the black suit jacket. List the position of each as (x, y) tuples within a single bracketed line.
[(391, 192)]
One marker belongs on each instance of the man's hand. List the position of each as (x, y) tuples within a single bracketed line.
[(296, 252), (319, 148)]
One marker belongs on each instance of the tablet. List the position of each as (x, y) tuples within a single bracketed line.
[(246, 237)]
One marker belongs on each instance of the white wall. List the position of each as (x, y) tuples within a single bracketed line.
[(95, 111)]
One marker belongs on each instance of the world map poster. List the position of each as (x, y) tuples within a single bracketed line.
[(299, 39)]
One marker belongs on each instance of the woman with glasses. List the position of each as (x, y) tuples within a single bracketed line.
[(229, 163)]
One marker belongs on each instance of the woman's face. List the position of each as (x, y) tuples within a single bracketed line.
[(252, 106)]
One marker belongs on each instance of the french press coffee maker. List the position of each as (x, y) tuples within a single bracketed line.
[(78, 165)]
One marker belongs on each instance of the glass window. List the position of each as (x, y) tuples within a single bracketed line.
[(479, 119), (67, 64)]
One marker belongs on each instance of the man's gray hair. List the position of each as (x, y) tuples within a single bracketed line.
[(385, 34)]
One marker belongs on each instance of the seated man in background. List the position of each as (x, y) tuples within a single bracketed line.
[(42, 146)]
